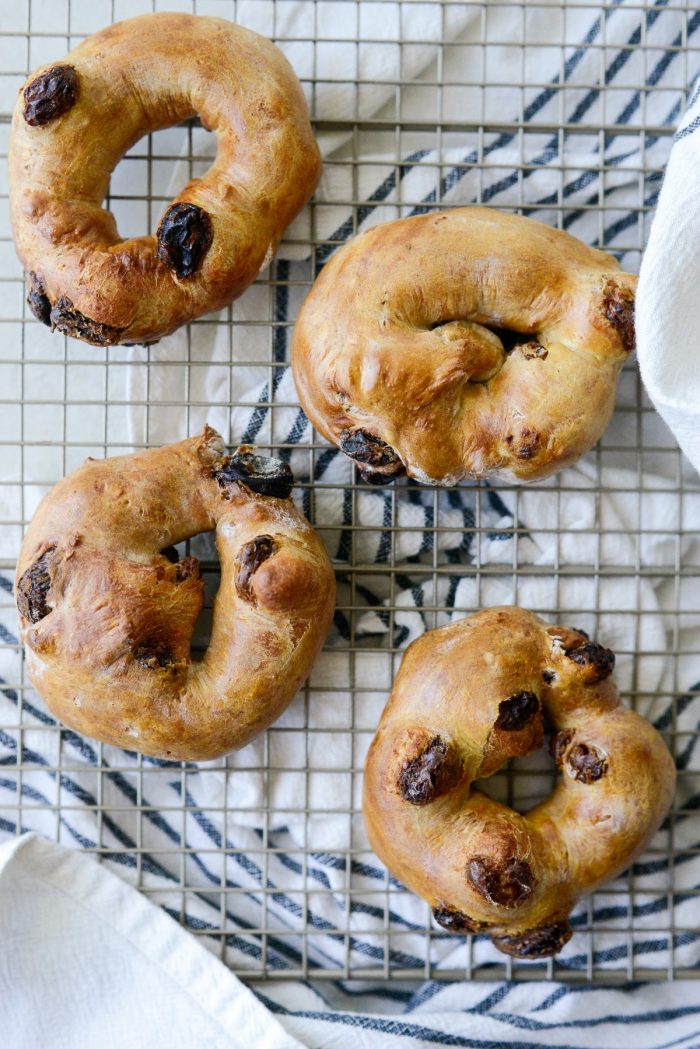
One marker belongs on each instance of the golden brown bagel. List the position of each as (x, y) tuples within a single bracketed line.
[(468, 697), (107, 617), (400, 355), (76, 118)]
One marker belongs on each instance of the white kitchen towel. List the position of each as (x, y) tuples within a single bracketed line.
[(87, 961), (668, 300)]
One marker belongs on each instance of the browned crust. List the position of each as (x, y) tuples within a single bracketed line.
[(107, 611), (481, 685), (129, 79), (465, 343)]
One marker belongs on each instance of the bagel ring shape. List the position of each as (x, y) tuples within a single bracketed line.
[(107, 611), (468, 697), (464, 343), (76, 118)]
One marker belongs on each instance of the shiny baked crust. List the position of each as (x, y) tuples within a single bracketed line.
[(76, 118), (107, 616), (468, 697), (399, 359)]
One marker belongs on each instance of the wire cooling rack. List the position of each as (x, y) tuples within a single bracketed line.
[(562, 111)]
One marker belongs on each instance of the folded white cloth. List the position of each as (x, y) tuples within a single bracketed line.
[(668, 300), (87, 961)]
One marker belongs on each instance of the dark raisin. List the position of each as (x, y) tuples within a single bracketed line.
[(528, 445), (249, 559), (375, 458), (184, 237), (375, 479), (504, 884), (188, 568), (152, 655), (542, 942), (260, 473), (430, 774), (549, 676), (33, 589), (37, 299), (595, 656), (618, 310), (171, 553), (517, 712), (587, 763), (65, 318), (558, 744), (456, 921), (50, 95)]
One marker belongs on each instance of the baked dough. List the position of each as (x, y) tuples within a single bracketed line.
[(468, 697), (464, 343), (107, 611), (76, 118)]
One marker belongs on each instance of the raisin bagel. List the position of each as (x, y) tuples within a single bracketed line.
[(469, 343), (107, 611), (76, 118), (467, 698)]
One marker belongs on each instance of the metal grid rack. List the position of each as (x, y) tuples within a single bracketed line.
[(262, 855)]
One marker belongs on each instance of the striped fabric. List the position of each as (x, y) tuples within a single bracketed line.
[(286, 870)]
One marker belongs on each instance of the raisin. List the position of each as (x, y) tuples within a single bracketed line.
[(542, 942), (184, 237), (618, 310), (456, 921), (430, 774), (377, 461), (249, 559), (188, 568), (529, 444), (601, 660), (33, 589), (153, 654), (587, 763), (558, 745), (38, 300), (69, 321), (171, 553), (504, 884), (260, 473), (549, 676), (517, 712), (50, 95)]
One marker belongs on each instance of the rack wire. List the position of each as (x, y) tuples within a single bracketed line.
[(565, 111)]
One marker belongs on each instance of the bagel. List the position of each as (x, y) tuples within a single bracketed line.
[(107, 611), (468, 697), (75, 119), (465, 343)]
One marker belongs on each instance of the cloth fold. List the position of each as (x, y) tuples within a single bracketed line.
[(668, 303)]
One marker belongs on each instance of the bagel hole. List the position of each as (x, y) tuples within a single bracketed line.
[(523, 782), (155, 171), (510, 338), (203, 547)]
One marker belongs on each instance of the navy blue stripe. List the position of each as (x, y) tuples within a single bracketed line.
[(402, 1028)]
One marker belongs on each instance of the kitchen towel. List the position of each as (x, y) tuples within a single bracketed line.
[(87, 961), (668, 303)]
